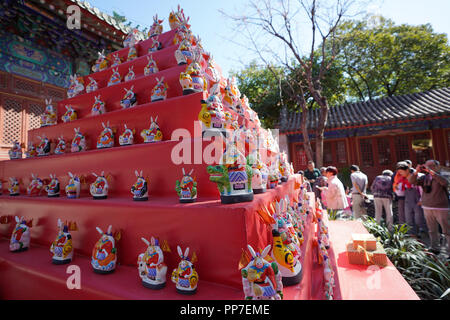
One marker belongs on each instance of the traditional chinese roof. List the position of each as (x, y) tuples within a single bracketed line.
[(428, 104)]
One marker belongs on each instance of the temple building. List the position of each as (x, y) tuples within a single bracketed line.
[(38, 53), (377, 134)]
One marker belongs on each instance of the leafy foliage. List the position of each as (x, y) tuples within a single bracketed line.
[(424, 271)]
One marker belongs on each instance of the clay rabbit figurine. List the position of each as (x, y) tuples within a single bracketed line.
[(152, 268), (53, 188), (73, 187), (127, 137), (62, 248), (185, 277), (20, 238), (104, 254), (99, 188), (139, 190)]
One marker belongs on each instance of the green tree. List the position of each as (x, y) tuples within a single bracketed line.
[(381, 59)]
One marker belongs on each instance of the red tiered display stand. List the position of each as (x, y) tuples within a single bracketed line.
[(217, 233)]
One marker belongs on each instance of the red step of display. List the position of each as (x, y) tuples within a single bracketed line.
[(215, 232)]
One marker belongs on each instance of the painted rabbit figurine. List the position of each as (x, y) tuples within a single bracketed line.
[(70, 115), (106, 137), (159, 92), (78, 142), (16, 151), (154, 133), (75, 87), (185, 277), (49, 116), (14, 186), (61, 146), (131, 39), (152, 268), (151, 66), (187, 188), (35, 187), (104, 253), (156, 28), (20, 238), (183, 54), (53, 188), (129, 100), (115, 77), (91, 86), (43, 148), (116, 60), (98, 106), (132, 53), (155, 45), (261, 280), (127, 137), (140, 189), (73, 187), (99, 188), (130, 75), (62, 248), (101, 63)]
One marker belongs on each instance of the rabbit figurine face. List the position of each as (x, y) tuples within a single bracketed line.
[(154, 133), (155, 45), (101, 63), (261, 280), (186, 188), (98, 107), (20, 238), (183, 54), (152, 268), (53, 188), (75, 87), (129, 100), (140, 189), (73, 187), (116, 60), (104, 254), (127, 137), (99, 188), (185, 277), (132, 53), (35, 187), (106, 138), (62, 248)]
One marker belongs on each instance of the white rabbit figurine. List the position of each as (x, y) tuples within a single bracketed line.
[(152, 268), (20, 238), (139, 190), (185, 277), (104, 254)]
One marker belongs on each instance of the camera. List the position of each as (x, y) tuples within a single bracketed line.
[(423, 169)]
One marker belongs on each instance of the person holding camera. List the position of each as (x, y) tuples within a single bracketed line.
[(413, 210), (435, 201)]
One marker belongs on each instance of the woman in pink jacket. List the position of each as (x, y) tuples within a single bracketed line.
[(334, 193)]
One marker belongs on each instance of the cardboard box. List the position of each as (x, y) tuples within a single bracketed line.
[(365, 240), (361, 257)]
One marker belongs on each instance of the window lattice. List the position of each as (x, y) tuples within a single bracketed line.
[(327, 154), (366, 152), (12, 121), (3, 81), (27, 87), (55, 95), (341, 152), (384, 151), (34, 115), (402, 148)]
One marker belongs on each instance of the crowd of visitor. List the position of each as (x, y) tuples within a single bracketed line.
[(421, 195)]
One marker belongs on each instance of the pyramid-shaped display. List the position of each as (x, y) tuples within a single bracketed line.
[(129, 149)]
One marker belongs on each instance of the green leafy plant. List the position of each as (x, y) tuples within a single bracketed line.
[(424, 271)]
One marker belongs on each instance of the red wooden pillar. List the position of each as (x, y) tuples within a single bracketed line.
[(437, 137)]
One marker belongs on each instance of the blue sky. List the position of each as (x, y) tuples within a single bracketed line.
[(215, 30)]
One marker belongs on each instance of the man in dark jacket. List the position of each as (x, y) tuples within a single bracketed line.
[(435, 201)]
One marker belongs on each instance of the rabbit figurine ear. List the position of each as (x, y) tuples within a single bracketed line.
[(186, 252), (136, 173), (156, 119), (17, 219), (95, 175), (141, 174), (184, 173), (71, 174), (145, 241), (252, 252), (151, 119), (153, 241), (180, 253), (99, 230), (109, 229), (265, 251), (103, 125), (102, 173), (190, 172)]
